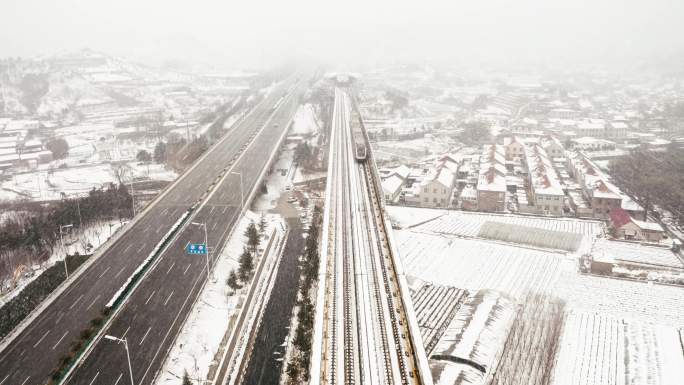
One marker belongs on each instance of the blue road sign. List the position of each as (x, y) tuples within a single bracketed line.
[(196, 248)]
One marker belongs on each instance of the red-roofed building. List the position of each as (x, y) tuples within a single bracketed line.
[(624, 226)]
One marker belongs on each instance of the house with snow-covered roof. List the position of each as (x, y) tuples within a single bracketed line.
[(491, 191), (514, 147), (624, 226), (436, 189), (545, 187), (391, 187), (602, 194)]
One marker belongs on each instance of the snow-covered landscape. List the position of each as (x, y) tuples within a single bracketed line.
[(630, 328), (414, 193)]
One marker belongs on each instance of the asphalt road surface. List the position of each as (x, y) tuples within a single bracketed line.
[(155, 311)]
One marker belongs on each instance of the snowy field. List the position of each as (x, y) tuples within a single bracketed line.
[(477, 333), (304, 121), (58, 183), (202, 334), (601, 349), (469, 224), (603, 315), (636, 253), (474, 264)]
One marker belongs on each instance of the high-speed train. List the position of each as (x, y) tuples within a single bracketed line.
[(358, 137), (359, 144)]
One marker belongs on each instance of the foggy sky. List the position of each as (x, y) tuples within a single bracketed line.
[(229, 33)]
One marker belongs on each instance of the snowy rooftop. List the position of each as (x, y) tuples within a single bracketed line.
[(491, 180), (543, 176), (392, 184)]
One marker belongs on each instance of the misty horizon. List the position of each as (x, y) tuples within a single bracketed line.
[(499, 34)]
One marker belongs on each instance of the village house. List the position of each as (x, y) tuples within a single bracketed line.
[(437, 188), (515, 148), (545, 188), (624, 226), (491, 191)]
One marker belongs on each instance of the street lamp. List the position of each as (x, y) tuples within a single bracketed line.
[(128, 355), (242, 196), (206, 242), (132, 194), (61, 240)]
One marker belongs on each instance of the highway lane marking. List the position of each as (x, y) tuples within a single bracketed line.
[(117, 379), (92, 303), (59, 318), (150, 297), (94, 378), (186, 269), (120, 271), (128, 247), (75, 302), (126, 332), (214, 226), (103, 273), (4, 379), (145, 336), (53, 348), (41, 339), (172, 265), (168, 298), (26, 380)]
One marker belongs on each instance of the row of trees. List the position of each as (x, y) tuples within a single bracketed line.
[(532, 343), (654, 178), (298, 367), (246, 260)]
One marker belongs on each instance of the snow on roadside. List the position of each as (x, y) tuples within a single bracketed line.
[(280, 178), (87, 241), (304, 121), (200, 338)]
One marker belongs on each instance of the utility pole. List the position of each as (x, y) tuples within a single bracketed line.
[(80, 220), (132, 194), (61, 240), (242, 193)]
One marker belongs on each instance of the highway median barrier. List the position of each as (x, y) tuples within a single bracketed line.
[(88, 335)]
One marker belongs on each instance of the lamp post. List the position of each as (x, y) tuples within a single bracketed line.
[(61, 240), (242, 196), (128, 355), (206, 242), (132, 195)]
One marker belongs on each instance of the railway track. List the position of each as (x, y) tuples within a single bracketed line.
[(364, 331)]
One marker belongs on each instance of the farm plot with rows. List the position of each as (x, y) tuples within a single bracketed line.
[(475, 264), (601, 349), (435, 307), (469, 224), (611, 331), (622, 298), (474, 340)]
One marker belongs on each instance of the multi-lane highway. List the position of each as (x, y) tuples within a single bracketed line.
[(364, 335), (155, 311)]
